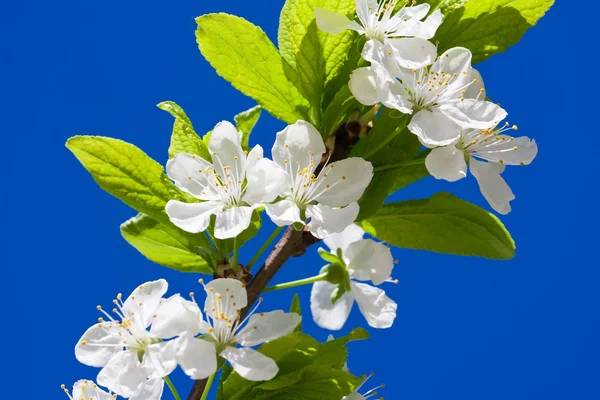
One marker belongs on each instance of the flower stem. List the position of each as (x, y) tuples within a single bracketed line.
[(172, 387), (418, 161), (300, 282), (207, 387), (264, 247), (234, 258)]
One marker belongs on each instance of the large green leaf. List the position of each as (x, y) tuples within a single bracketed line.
[(444, 224), (487, 27), (338, 111), (183, 139), (245, 122), (242, 53), (127, 173), (334, 352), (317, 56), (169, 246)]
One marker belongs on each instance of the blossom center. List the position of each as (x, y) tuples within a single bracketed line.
[(430, 86)]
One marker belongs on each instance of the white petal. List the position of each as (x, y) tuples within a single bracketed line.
[(433, 128), (196, 357), (446, 163), (159, 359), (232, 221), (255, 155), (145, 299), (325, 221), (283, 213), (298, 143), (455, 61), (232, 289), (474, 90), (352, 233), (264, 327), (226, 151), (366, 9), (266, 181), (192, 217), (326, 314), (378, 309), (370, 260), (100, 345), (87, 389), (413, 52), (333, 22), (518, 151), (250, 364), (492, 186), (150, 390), (123, 374), (471, 113), (425, 29), (366, 85), (187, 171), (176, 315), (343, 182)]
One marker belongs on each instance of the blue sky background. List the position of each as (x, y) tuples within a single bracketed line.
[(467, 328)]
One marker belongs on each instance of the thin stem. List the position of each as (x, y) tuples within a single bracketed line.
[(418, 161), (264, 247), (207, 387), (300, 282), (172, 387), (234, 258)]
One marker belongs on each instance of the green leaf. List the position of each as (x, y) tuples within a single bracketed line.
[(127, 173), (338, 111), (295, 308), (318, 382), (169, 246), (444, 224), (242, 54), (445, 6), (487, 27), (226, 371), (245, 122), (316, 56), (388, 144), (334, 352), (183, 139)]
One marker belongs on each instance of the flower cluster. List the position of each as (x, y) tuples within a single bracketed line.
[(149, 335), (297, 188)]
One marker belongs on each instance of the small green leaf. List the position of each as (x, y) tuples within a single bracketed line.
[(327, 256), (183, 139), (169, 246), (487, 27), (444, 224), (334, 352), (295, 308), (338, 111), (127, 173), (242, 54), (245, 122)]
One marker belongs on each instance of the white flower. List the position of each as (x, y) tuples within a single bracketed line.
[(327, 199), (365, 260), (128, 353), (402, 34), (445, 97), (492, 145), (231, 187), (87, 390), (223, 331)]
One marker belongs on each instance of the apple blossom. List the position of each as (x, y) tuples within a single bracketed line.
[(444, 97), (328, 199), (363, 259), (231, 187), (223, 330), (127, 351), (401, 33), (497, 150)]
